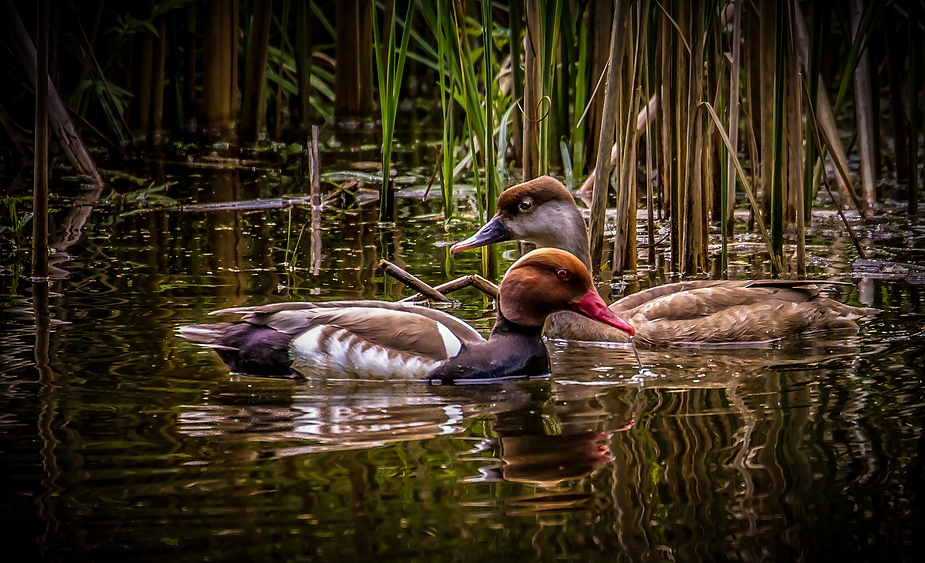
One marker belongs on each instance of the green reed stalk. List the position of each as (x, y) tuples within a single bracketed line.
[(561, 87), (460, 83), (581, 74), (491, 181), (517, 73), (550, 21), (869, 19), (471, 99), (445, 81), (531, 137), (777, 174), (390, 67)]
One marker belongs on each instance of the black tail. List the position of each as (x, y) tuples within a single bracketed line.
[(245, 348)]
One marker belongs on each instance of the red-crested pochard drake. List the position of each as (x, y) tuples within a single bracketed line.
[(542, 211), (379, 340)]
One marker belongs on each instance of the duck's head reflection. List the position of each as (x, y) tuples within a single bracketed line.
[(544, 449), (549, 460)]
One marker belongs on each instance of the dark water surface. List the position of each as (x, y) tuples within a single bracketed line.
[(131, 444)]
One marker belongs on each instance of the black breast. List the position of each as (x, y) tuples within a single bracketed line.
[(511, 351)]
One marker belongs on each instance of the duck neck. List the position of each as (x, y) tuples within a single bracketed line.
[(512, 350), (506, 327)]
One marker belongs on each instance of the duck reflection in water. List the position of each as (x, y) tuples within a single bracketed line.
[(553, 446), (535, 437)]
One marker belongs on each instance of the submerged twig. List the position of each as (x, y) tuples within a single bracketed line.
[(485, 286), (250, 205), (411, 281), (474, 280), (636, 353), (433, 176)]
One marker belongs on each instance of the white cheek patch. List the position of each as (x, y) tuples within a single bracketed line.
[(450, 342)]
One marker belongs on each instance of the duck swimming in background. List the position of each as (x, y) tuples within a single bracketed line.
[(543, 212), (380, 340)]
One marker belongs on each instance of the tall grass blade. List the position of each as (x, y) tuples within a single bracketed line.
[(503, 137), (861, 34), (580, 100), (775, 261), (567, 170), (532, 89), (390, 66), (491, 181), (515, 16)]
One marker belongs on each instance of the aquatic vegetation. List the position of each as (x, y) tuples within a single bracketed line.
[(537, 87)]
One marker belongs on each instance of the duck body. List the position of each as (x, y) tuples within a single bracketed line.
[(705, 312), (716, 313), (380, 340), (369, 339)]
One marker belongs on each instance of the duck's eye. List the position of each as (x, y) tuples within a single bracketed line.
[(562, 274), (526, 204)]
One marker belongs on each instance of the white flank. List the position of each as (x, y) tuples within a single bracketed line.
[(450, 342), (346, 354)]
